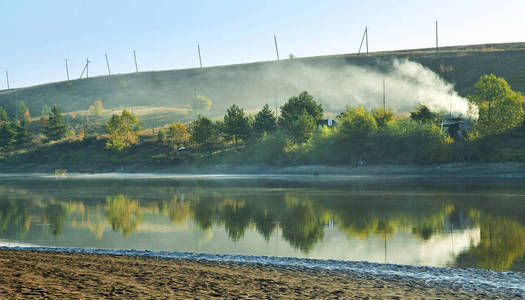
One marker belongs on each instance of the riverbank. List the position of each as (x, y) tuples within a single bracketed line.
[(510, 170), (43, 274)]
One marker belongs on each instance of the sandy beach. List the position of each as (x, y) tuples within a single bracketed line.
[(36, 274)]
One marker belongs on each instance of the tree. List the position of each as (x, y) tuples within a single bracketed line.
[(356, 126), (382, 116), (201, 103), (178, 134), (55, 126), (22, 109), (8, 132), (3, 115), (302, 128), (357, 123), (96, 108), (499, 107), (302, 107), (162, 136), (22, 133), (265, 121), (423, 115), (45, 110), (123, 131), (236, 124), (202, 132)]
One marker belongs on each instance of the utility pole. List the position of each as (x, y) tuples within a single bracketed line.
[(199, 51), (135, 58), (107, 63), (384, 97), (366, 33), (16, 103), (67, 70), (7, 79), (86, 69), (437, 45), (276, 48), (364, 39)]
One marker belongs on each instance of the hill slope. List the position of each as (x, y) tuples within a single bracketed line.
[(252, 85)]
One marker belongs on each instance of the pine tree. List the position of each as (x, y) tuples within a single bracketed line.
[(55, 127), (265, 121), (236, 124), (8, 131), (3, 115)]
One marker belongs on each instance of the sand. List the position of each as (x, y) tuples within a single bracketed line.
[(33, 274)]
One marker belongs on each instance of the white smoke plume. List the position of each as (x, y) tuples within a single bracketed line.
[(407, 83)]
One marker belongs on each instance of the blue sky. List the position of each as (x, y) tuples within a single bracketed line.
[(38, 35)]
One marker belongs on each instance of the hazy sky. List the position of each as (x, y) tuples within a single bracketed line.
[(38, 35)]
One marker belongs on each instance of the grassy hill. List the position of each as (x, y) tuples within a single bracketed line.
[(252, 85)]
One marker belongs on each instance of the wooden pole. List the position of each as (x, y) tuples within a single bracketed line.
[(276, 48), (135, 58), (437, 44), (199, 51), (67, 70), (366, 33), (384, 97), (107, 62)]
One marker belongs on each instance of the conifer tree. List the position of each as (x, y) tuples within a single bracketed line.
[(55, 127)]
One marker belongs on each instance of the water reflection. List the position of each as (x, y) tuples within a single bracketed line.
[(463, 225)]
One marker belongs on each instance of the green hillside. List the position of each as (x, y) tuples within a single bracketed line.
[(252, 85)]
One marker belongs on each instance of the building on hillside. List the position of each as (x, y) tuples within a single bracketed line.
[(456, 127), (327, 122)]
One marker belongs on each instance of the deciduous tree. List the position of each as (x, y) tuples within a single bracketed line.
[(499, 107), (123, 131)]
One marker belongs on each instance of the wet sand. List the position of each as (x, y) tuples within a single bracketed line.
[(34, 274)]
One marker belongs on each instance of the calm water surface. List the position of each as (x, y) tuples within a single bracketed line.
[(437, 222)]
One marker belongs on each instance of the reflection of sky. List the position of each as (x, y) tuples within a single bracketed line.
[(402, 247)]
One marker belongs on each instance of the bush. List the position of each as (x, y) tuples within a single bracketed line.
[(271, 149)]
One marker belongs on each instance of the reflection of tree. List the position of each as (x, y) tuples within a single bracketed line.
[(502, 242), (54, 215), (123, 213), (236, 217), (301, 227), (265, 223), (177, 210), (14, 212), (204, 213)]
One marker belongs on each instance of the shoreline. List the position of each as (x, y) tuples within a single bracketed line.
[(74, 273), (467, 170)]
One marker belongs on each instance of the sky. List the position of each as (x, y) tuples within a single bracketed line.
[(37, 36)]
